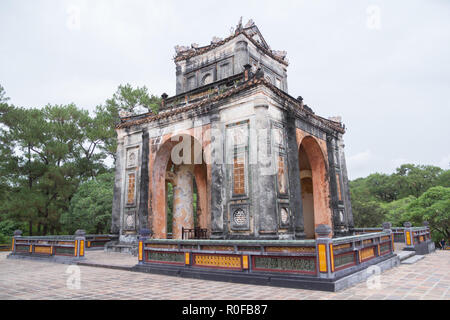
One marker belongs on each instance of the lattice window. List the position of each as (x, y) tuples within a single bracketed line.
[(343, 260), (282, 188), (220, 261), (237, 156), (239, 174), (131, 188), (338, 187), (286, 264), (367, 253)]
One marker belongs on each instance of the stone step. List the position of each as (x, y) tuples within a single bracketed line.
[(413, 259), (124, 248), (403, 255)]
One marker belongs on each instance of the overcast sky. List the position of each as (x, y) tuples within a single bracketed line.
[(384, 66)]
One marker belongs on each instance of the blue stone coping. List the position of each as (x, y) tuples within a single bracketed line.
[(65, 237), (306, 243), (359, 237), (309, 243)]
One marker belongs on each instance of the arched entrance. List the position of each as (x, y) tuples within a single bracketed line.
[(314, 186), (179, 187)]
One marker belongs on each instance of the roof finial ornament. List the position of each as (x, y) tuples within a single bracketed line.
[(215, 40), (180, 49), (249, 24), (239, 25)]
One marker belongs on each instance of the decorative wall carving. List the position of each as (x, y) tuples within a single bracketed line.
[(132, 157), (131, 188), (239, 217), (129, 220)]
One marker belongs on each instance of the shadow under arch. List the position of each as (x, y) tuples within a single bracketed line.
[(162, 161), (314, 185)]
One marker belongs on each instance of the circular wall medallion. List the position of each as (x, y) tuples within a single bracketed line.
[(239, 217), (284, 215), (130, 221)]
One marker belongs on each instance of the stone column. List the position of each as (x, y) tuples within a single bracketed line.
[(323, 244), (17, 235), (333, 171), (429, 241), (144, 183), (144, 234), (80, 238), (183, 210), (116, 207), (409, 237), (295, 199), (217, 177), (346, 189), (426, 225), (387, 227), (265, 188)]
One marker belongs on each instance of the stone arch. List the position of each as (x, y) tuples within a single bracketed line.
[(207, 79), (199, 171), (314, 180)]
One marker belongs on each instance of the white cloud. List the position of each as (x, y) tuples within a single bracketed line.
[(359, 165), (390, 86), (359, 159), (444, 162)]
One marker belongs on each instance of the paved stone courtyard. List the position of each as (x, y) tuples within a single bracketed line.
[(24, 279)]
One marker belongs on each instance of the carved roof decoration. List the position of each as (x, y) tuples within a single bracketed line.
[(250, 30), (208, 100)]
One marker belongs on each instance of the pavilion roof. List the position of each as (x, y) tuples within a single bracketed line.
[(250, 31)]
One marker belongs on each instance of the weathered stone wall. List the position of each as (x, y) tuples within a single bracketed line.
[(270, 207), (225, 61)]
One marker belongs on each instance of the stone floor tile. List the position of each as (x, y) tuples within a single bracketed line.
[(24, 279)]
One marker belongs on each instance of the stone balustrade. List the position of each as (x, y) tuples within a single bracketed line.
[(414, 238), (5, 247), (317, 264), (98, 241), (58, 248)]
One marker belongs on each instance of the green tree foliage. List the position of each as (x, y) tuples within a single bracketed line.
[(413, 193), (50, 151), (135, 101), (368, 213), (126, 98), (47, 153), (91, 206), (7, 228), (414, 180), (444, 179), (397, 210), (432, 206)]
